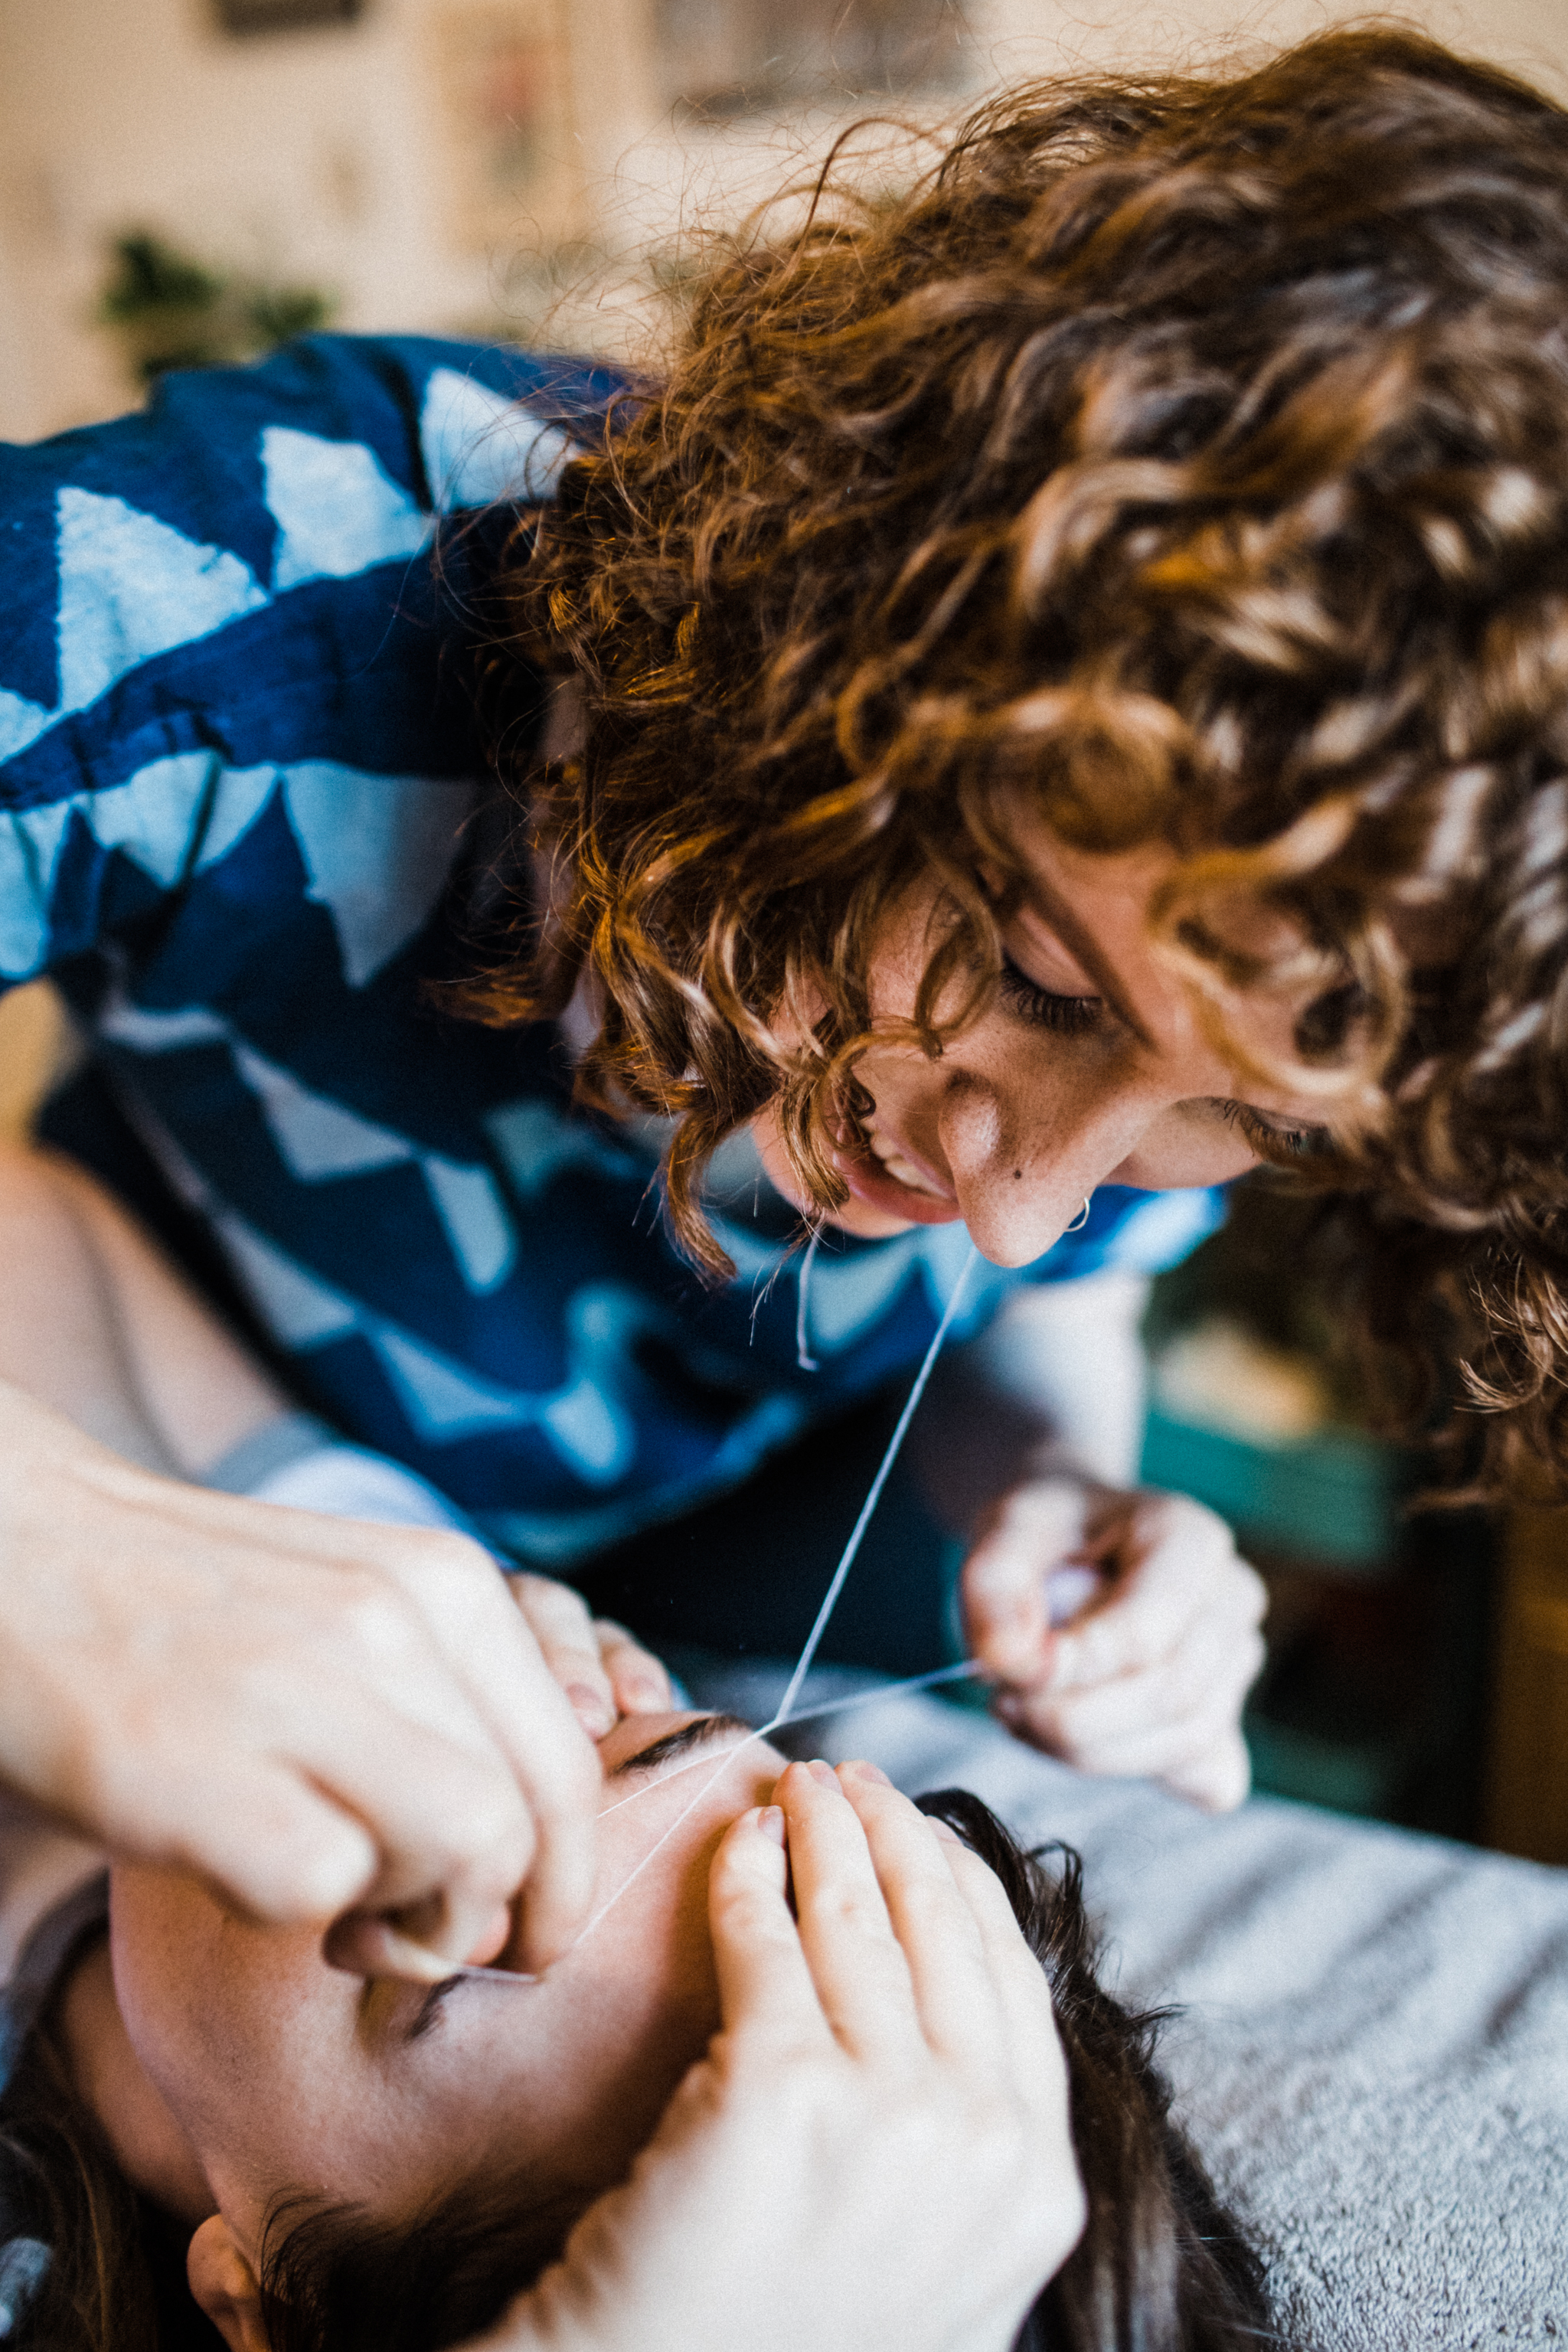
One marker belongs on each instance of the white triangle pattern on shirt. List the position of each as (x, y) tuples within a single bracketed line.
[(479, 447), (337, 509), (377, 850), (131, 587)]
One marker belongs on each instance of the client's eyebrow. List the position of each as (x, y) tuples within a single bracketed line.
[(697, 1733)]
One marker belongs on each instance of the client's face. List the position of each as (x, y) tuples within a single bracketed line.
[(288, 2075)]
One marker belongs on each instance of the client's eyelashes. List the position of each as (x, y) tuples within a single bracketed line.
[(1071, 1016), (429, 2009)]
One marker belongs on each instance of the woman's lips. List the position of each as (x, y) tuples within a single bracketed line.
[(871, 1179)]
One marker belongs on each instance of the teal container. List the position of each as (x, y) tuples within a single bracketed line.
[(1333, 1498), (1366, 1777)]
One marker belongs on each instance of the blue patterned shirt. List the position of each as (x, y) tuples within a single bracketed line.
[(237, 779)]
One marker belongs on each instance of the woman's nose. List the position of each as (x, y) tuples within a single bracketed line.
[(1022, 1172)]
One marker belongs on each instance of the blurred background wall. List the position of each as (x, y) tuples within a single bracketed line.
[(455, 164)]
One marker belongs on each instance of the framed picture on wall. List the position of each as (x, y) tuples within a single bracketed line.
[(733, 57), (503, 83), (284, 15)]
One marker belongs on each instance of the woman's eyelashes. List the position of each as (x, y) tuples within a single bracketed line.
[(1270, 1142), (1069, 1016), (1078, 1017)]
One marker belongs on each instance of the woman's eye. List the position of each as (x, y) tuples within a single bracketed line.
[(1071, 1015), (1270, 1142)]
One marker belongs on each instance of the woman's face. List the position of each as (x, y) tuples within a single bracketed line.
[(1089, 1067), (287, 2075)]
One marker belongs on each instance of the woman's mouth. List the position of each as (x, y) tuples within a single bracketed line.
[(882, 1174)]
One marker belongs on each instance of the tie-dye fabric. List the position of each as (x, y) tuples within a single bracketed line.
[(238, 784)]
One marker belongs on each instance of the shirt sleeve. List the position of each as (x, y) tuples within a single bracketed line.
[(242, 575)]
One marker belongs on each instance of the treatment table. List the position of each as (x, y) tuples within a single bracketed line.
[(1371, 2054)]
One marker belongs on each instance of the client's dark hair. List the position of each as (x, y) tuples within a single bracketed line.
[(1162, 2266)]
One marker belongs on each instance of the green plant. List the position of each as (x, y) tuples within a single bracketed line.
[(168, 309)]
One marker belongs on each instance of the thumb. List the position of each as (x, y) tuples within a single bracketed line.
[(1007, 1610)]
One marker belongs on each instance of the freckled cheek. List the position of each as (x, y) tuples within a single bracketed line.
[(1178, 1153)]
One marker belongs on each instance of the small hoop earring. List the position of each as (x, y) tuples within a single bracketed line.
[(1081, 1219)]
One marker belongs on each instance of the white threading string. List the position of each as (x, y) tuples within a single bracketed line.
[(804, 1663), (803, 1355), (966, 1670), (830, 1598)]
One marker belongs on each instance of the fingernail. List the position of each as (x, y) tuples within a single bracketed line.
[(860, 1770), (492, 1939), (403, 1957), (946, 1833), (592, 1709), (771, 1822), (823, 1774)]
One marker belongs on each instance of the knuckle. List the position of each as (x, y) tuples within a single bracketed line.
[(984, 1569), (611, 1630), (843, 1908), (310, 1877), (555, 1604), (571, 1786), (86, 1770), (1195, 1523), (739, 1902), (805, 2091), (455, 1554), (435, 1555), (495, 1821), (569, 1656), (375, 1617), (995, 2124)]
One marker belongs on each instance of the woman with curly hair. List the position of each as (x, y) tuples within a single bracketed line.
[(1063, 686), (1057, 692)]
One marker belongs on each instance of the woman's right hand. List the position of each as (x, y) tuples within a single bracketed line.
[(876, 2150), (317, 1715)]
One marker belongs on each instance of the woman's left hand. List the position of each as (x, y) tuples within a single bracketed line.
[(1148, 1678), (604, 1670)]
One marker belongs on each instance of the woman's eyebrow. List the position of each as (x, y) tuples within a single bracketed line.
[(683, 1742)]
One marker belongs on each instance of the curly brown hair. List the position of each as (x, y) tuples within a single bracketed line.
[(1193, 454)]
